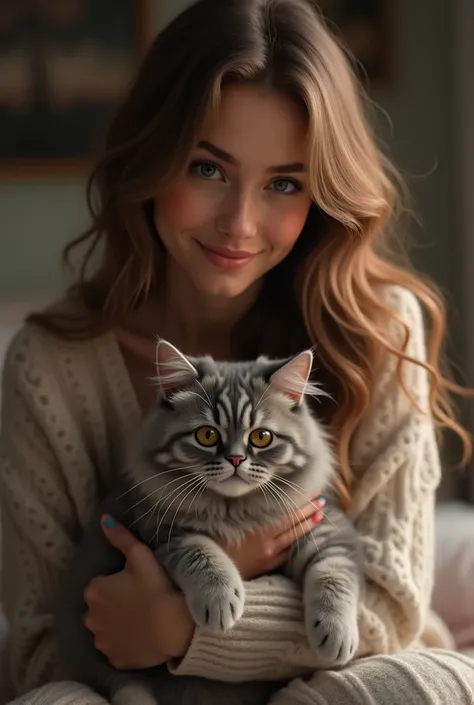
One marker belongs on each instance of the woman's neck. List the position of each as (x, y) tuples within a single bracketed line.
[(196, 322)]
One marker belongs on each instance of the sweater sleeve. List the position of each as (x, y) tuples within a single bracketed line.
[(39, 515), (396, 464)]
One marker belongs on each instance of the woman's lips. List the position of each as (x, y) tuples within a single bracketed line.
[(225, 258)]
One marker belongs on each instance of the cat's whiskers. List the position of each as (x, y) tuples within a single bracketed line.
[(171, 482), (199, 494), (263, 490), (277, 493), (162, 489), (159, 504), (298, 489), (156, 504), (143, 499), (196, 480), (283, 497), (196, 394), (209, 478), (206, 394), (201, 481), (262, 398), (306, 525), (279, 500), (161, 499), (148, 511), (154, 508), (153, 477), (185, 482), (158, 489)]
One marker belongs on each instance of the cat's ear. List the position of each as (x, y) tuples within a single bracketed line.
[(292, 378), (173, 370)]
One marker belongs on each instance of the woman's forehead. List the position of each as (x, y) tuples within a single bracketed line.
[(255, 125)]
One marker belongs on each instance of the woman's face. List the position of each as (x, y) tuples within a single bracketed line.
[(240, 205)]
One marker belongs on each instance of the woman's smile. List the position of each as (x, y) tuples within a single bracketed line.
[(226, 258)]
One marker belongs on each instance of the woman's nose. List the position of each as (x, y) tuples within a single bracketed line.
[(239, 217)]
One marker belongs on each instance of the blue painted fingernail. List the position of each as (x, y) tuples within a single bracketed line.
[(109, 521)]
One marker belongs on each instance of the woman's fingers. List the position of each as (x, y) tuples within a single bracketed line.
[(278, 560), (297, 531), (301, 515), (298, 525)]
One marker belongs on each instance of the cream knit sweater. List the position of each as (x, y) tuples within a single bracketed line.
[(68, 410)]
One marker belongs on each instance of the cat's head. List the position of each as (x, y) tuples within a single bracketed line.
[(234, 428)]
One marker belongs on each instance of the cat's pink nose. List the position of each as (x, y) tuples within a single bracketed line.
[(235, 460)]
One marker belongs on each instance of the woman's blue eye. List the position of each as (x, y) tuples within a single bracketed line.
[(286, 186), (206, 170)]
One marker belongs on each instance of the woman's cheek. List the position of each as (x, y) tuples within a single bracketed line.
[(288, 225), (186, 206)]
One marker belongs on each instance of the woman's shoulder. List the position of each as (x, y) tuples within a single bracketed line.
[(38, 359), (407, 318), (33, 345), (402, 301)]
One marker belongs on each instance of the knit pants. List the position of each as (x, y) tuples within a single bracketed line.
[(430, 677)]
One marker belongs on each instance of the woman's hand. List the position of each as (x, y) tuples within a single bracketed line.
[(139, 621), (137, 618), (262, 551)]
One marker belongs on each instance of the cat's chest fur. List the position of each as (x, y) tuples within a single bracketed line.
[(217, 517)]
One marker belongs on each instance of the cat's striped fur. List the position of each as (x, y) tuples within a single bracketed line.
[(229, 447)]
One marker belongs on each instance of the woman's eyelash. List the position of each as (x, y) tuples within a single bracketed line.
[(199, 163), (203, 163), (298, 186)]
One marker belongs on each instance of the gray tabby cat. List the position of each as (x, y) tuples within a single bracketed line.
[(228, 447)]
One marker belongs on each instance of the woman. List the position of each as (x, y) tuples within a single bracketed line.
[(241, 207)]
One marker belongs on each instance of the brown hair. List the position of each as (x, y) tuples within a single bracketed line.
[(343, 255)]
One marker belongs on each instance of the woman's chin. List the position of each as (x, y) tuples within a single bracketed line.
[(223, 288)]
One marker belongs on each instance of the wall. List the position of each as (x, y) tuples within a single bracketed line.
[(37, 218), (421, 109), (464, 135)]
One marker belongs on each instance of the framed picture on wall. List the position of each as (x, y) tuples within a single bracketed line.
[(64, 65), (366, 29)]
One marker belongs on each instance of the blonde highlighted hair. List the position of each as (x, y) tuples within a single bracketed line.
[(343, 255)]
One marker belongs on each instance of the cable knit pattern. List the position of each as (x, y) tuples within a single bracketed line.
[(68, 412)]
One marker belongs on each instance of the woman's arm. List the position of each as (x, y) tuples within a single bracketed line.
[(396, 460), (393, 510), (396, 456), (38, 513)]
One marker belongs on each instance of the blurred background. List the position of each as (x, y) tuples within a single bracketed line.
[(64, 63)]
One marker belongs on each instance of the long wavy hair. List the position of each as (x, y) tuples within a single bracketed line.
[(344, 255)]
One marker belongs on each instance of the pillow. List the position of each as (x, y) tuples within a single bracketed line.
[(453, 595)]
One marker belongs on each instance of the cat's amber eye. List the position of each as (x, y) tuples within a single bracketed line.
[(261, 438), (207, 436)]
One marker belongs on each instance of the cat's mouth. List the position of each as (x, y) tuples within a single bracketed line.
[(234, 485)]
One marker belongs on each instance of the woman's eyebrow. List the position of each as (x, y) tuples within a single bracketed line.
[(226, 157)]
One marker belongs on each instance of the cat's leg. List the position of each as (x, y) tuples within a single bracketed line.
[(331, 609), (327, 565), (208, 578)]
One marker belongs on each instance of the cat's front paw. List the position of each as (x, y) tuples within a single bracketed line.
[(218, 607), (333, 634)]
